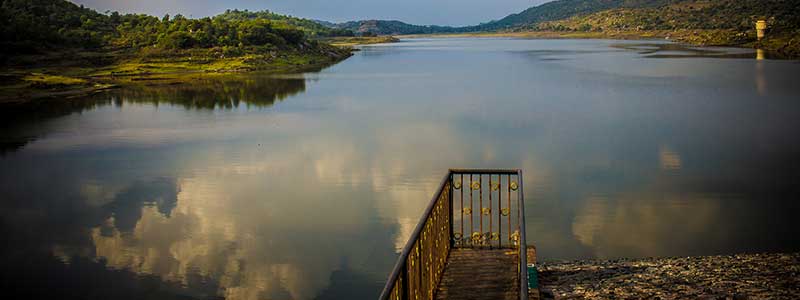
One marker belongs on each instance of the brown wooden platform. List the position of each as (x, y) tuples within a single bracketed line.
[(482, 274)]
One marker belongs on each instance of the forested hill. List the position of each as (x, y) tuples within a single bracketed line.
[(596, 15), (311, 27), (556, 10), (651, 15), (783, 16), (34, 25), (562, 9), (52, 48), (385, 27)]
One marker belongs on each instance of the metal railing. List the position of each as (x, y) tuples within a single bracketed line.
[(421, 264)]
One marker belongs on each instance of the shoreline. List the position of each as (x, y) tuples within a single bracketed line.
[(22, 85), (362, 40), (785, 47), (56, 79), (739, 276)]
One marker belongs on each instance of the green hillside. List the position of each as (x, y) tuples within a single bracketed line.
[(705, 22), (687, 14), (55, 44), (561, 9), (310, 27), (384, 27), (34, 25)]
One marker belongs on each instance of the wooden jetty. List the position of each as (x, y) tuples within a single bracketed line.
[(469, 243)]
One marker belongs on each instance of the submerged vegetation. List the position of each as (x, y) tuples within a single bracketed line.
[(55, 45)]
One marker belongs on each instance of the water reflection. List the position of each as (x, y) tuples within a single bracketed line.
[(224, 92), (26, 122), (674, 50), (222, 190)]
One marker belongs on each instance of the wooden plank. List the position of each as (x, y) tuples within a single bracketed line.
[(480, 274)]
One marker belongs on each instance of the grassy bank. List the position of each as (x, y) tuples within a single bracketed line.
[(57, 48), (360, 40), (50, 75)]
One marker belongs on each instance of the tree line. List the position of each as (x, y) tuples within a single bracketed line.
[(28, 26)]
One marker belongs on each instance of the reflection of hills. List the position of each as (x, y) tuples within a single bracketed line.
[(24, 123), (228, 92)]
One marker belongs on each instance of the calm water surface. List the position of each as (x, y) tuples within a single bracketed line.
[(306, 186)]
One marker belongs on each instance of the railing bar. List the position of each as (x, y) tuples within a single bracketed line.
[(449, 222), (499, 211), (480, 204), (462, 207), (404, 283), (471, 212), (518, 208), (508, 178), (490, 210), (420, 255), (523, 295), (414, 237), (484, 171)]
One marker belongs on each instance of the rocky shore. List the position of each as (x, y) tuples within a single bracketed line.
[(743, 276)]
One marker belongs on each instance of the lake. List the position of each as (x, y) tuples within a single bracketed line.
[(307, 186)]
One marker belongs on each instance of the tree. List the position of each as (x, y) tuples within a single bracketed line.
[(178, 40)]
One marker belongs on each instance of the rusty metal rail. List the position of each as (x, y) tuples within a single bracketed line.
[(497, 193)]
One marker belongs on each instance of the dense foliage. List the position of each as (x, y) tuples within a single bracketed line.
[(562, 9), (310, 27), (782, 16), (382, 27), (595, 15), (35, 25), (26, 25)]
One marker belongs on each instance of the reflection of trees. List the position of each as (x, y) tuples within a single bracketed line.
[(211, 93), (24, 123)]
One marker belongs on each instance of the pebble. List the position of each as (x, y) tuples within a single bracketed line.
[(742, 276)]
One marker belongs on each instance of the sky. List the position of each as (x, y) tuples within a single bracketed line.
[(423, 12)]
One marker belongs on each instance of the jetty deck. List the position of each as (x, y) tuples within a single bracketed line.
[(468, 242)]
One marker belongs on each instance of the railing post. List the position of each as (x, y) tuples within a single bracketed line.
[(523, 246), (406, 290), (450, 208)]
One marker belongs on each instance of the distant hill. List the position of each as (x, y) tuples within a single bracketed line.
[(562, 9), (28, 26), (583, 15), (384, 27), (551, 11), (734, 15), (312, 28)]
